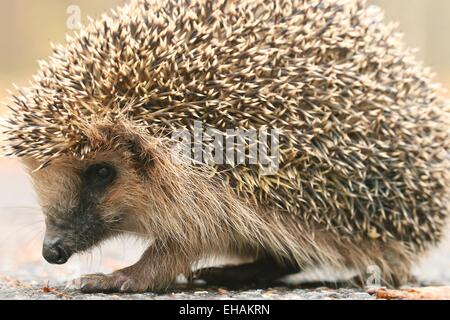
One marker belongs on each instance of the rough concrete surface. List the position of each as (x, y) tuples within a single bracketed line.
[(25, 275)]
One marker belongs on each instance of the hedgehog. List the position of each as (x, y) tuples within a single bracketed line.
[(362, 151)]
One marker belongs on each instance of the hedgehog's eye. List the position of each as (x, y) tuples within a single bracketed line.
[(99, 175)]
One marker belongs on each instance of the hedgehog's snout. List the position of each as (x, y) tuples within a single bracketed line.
[(54, 250), (71, 231)]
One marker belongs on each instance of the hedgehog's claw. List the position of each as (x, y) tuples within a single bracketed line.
[(108, 283)]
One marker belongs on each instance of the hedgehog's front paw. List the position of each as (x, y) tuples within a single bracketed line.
[(118, 281)]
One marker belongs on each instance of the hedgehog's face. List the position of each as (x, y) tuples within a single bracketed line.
[(84, 202)]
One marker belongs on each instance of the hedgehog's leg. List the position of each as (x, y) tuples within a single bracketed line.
[(261, 272), (157, 269)]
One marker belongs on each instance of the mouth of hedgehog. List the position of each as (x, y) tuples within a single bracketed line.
[(64, 259)]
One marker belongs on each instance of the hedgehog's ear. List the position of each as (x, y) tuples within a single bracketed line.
[(126, 135), (141, 148)]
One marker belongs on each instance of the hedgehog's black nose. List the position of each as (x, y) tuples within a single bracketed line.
[(54, 251)]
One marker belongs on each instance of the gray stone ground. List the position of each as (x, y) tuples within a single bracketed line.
[(24, 274), (10, 289)]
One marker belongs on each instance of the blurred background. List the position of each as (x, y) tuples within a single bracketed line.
[(27, 27)]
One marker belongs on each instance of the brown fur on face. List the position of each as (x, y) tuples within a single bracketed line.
[(78, 215)]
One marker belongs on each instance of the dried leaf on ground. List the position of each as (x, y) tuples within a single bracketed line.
[(425, 293)]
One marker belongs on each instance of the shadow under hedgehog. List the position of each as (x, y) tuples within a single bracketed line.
[(363, 170)]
